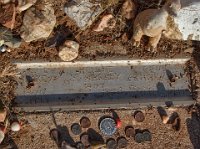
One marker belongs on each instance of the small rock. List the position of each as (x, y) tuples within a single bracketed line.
[(85, 122), (129, 9), (70, 51), (25, 4), (15, 126), (107, 21), (38, 24), (3, 49), (83, 12), (139, 116), (122, 142), (8, 39), (3, 114), (189, 50), (111, 144)]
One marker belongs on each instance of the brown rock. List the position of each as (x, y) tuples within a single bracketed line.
[(107, 21), (7, 15)]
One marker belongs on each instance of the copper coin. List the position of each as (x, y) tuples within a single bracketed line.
[(85, 122), (129, 131), (139, 116)]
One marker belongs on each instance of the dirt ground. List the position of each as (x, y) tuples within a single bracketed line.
[(35, 130)]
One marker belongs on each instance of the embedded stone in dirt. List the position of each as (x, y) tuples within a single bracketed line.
[(38, 24), (70, 51), (83, 12), (107, 21), (25, 4)]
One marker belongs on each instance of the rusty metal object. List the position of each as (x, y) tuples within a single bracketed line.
[(139, 116), (85, 122)]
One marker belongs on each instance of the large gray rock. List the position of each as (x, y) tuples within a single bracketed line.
[(83, 12), (38, 24)]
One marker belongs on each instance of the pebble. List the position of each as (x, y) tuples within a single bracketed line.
[(83, 12), (3, 114), (38, 24), (3, 49), (15, 126), (107, 21), (2, 136), (70, 51)]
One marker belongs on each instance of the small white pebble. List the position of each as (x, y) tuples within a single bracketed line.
[(15, 126)]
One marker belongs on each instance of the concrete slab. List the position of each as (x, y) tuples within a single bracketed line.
[(101, 84)]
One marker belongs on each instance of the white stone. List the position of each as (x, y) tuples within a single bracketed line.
[(187, 21), (70, 51), (15, 126)]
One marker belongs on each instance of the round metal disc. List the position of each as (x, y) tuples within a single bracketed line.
[(122, 142), (76, 129), (108, 126)]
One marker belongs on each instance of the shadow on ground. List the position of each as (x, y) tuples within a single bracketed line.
[(193, 126)]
